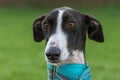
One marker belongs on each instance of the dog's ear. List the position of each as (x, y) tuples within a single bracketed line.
[(94, 29), (37, 29)]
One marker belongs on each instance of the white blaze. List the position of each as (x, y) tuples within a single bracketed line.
[(59, 38)]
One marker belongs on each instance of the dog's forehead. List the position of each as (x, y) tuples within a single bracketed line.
[(67, 12)]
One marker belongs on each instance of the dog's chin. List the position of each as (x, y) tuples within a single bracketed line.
[(54, 61), (58, 62)]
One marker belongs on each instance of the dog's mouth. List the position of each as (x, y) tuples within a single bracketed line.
[(54, 61)]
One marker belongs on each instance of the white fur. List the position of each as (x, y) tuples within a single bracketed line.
[(79, 56), (59, 38), (76, 57)]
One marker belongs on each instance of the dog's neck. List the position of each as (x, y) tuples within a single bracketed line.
[(75, 63), (76, 57), (71, 71)]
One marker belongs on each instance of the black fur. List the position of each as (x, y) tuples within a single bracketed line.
[(76, 35)]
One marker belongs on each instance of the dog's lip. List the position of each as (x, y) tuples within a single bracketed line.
[(53, 61)]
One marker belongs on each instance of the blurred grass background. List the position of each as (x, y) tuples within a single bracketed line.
[(23, 59)]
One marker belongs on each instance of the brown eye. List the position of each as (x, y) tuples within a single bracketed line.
[(46, 26), (70, 25)]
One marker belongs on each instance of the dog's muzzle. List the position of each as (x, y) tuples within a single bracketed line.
[(53, 54)]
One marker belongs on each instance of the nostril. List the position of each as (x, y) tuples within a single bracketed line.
[(48, 55), (56, 56), (53, 56)]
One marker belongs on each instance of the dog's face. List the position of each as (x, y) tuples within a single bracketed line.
[(65, 32)]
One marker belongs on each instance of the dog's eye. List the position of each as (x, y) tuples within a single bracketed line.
[(46, 26), (70, 25)]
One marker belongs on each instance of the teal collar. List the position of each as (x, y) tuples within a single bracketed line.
[(69, 72)]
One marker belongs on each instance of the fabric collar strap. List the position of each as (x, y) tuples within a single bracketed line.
[(69, 72)]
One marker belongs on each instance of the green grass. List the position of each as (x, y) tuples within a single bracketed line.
[(22, 59)]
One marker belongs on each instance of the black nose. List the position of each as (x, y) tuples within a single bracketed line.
[(53, 53)]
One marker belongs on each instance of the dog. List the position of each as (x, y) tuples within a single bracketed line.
[(64, 30)]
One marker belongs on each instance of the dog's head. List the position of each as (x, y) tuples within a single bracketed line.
[(65, 31)]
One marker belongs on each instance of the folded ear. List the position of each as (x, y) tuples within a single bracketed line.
[(37, 29), (95, 31)]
